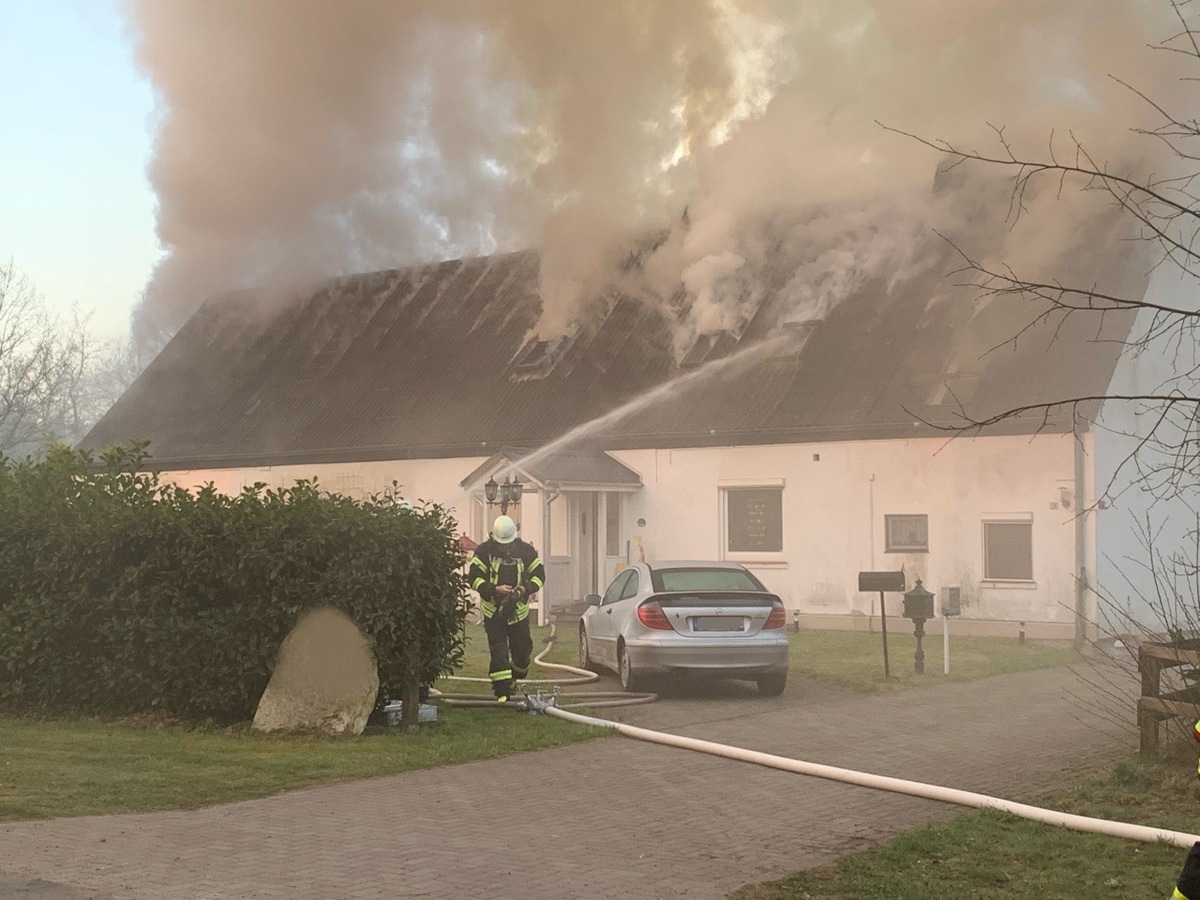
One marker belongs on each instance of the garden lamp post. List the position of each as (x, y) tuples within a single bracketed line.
[(918, 606)]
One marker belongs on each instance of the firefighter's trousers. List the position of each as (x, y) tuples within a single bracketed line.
[(511, 645)]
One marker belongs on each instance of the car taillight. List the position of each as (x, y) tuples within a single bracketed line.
[(652, 616), (778, 616)]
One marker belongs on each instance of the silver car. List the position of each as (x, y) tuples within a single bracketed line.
[(705, 618)]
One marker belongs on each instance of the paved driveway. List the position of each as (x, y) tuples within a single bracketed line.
[(608, 818)]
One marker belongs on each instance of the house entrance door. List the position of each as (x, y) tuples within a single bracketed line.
[(584, 512)]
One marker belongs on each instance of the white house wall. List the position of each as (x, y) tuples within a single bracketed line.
[(1122, 561), (435, 480), (835, 497)]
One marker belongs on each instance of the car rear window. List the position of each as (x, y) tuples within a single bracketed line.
[(705, 580)]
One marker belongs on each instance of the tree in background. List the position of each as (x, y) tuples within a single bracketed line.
[(56, 377)]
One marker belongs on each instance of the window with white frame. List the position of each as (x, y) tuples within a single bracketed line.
[(753, 519), (906, 534), (558, 540), (1008, 549), (612, 524), (479, 524)]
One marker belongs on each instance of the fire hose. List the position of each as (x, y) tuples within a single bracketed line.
[(549, 704), (592, 699)]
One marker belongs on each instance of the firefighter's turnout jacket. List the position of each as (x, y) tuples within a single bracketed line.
[(1188, 887), (515, 564)]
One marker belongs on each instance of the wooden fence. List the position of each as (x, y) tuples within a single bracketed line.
[(1154, 706)]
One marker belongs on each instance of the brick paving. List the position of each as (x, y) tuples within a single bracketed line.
[(608, 818)]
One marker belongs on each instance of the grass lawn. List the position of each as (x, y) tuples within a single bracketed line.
[(79, 767), (989, 854), (854, 660)]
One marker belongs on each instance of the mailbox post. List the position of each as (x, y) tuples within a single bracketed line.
[(882, 582), (918, 606)]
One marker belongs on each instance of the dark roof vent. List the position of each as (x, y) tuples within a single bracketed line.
[(709, 346), (538, 358), (796, 333)]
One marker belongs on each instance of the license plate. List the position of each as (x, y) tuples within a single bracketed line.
[(717, 623)]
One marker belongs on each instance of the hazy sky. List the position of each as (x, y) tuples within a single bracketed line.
[(76, 212)]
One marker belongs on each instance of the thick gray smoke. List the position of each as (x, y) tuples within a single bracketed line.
[(303, 138)]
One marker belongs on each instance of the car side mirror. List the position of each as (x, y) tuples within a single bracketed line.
[(592, 600)]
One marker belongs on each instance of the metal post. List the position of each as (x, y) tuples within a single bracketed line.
[(919, 656), (887, 672), (945, 645)]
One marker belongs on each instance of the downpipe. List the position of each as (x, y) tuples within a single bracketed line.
[(885, 783)]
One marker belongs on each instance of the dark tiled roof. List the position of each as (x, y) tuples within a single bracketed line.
[(419, 363)]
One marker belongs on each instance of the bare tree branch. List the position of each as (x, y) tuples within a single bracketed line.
[(56, 378)]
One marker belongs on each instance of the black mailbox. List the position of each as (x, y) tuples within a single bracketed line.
[(892, 582), (918, 603), (952, 601)]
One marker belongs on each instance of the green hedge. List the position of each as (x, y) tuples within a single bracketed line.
[(122, 594)]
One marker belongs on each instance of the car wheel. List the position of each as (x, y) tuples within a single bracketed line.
[(772, 685), (631, 681), (585, 655)]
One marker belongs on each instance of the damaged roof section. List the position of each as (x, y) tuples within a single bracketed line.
[(538, 358), (439, 361), (709, 346)]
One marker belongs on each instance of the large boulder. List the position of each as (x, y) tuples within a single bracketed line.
[(326, 678)]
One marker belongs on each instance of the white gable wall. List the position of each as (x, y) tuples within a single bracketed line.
[(436, 480)]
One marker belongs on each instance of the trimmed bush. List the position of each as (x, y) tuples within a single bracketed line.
[(122, 594)]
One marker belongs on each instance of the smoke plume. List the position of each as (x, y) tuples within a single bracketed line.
[(304, 138)]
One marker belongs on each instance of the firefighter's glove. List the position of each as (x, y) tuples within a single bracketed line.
[(507, 606)]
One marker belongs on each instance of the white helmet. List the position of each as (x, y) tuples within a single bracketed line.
[(504, 530)]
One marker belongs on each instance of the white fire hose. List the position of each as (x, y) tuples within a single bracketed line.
[(885, 783), (549, 705)]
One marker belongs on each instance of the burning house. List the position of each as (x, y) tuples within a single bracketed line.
[(808, 450)]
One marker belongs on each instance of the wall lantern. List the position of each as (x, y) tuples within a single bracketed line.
[(507, 493)]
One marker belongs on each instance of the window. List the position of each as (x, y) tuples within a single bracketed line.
[(479, 527), (614, 589), (559, 540), (1008, 551), (612, 524), (906, 534), (706, 580), (631, 586), (754, 520)]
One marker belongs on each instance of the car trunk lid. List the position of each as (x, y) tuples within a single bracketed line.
[(716, 613)]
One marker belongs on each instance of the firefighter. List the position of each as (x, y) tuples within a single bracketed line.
[(1188, 885), (506, 572)]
